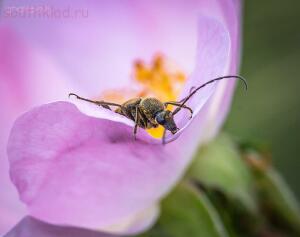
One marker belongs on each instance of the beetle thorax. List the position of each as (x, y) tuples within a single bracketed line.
[(150, 107)]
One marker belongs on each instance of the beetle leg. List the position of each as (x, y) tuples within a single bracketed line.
[(179, 106), (136, 120), (164, 137), (104, 104)]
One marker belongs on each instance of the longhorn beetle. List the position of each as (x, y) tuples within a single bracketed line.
[(151, 112)]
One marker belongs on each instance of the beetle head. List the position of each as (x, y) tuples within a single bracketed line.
[(165, 118)]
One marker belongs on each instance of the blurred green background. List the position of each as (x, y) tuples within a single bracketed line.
[(269, 112)]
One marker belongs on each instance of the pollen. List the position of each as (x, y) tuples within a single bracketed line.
[(161, 78)]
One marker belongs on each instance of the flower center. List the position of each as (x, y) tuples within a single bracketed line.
[(161, 79)]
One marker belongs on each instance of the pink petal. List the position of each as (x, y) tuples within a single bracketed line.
[(35, 228), (212, 61), (27, 78), (212, 115), (219, 106), (73, 169), (88, 48)]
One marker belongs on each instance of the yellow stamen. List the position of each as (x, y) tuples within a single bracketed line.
[(160, 79)]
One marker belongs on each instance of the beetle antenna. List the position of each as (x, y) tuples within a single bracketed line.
[(100, 103), (205, 84)]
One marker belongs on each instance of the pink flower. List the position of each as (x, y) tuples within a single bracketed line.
[(29, 226), (78, 164)]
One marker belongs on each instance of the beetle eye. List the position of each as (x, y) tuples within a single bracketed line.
[(160, 118)]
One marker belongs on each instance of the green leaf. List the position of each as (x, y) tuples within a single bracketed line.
[(186, 212), (237, 219), (219, 165), (277, 199)]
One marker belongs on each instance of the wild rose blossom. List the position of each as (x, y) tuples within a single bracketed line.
[(77, 164)]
